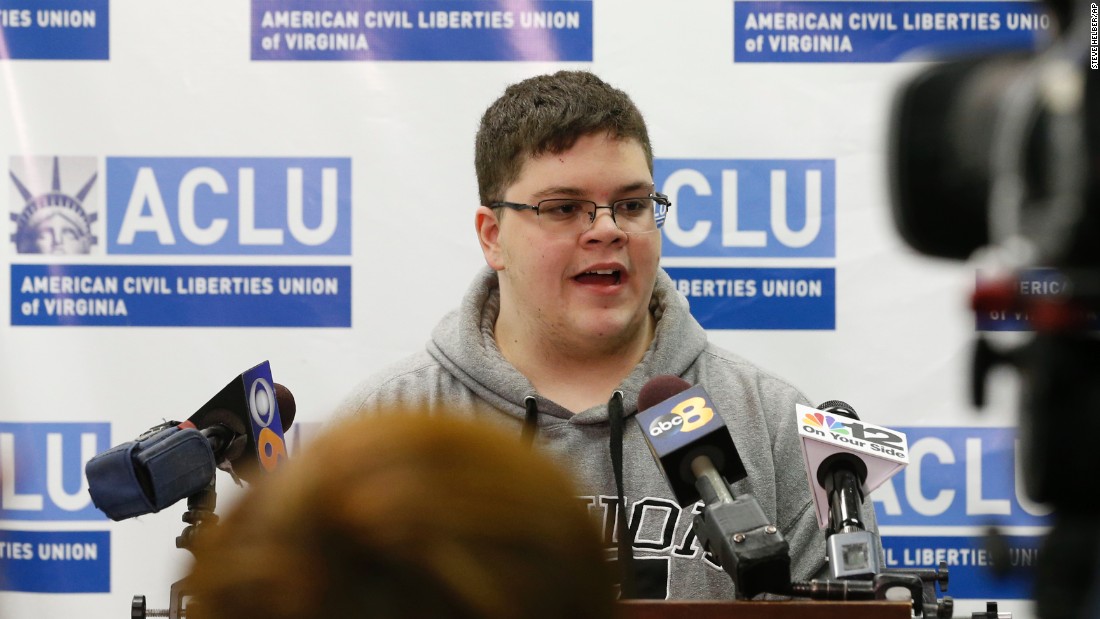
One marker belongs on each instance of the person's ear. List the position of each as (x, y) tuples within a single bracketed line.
[(488, 235)]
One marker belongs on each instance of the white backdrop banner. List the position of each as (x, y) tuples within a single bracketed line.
[(194, 188)]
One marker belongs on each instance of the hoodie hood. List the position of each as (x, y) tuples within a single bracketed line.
[(464, 345)]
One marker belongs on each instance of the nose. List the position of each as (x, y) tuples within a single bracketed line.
[(604, 227), (596, 213)]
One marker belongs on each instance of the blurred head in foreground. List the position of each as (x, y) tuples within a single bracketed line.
[(406, 516)]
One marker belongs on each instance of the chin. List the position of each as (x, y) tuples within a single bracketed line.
[(610, 330)]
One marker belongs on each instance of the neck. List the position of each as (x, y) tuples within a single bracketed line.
[(575, 375)]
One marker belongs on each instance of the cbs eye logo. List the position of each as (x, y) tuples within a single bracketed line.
[(269, 445), (691, 414)]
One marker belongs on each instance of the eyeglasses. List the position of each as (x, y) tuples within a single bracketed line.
[(571, 216)]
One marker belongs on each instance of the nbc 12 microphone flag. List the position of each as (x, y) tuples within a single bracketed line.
[(884, 451)]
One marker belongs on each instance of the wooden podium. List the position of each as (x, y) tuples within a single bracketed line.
[(698, 609)]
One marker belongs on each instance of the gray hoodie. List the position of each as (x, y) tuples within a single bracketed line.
[(463, 372)]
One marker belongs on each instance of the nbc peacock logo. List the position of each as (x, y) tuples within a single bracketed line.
[(826, 422)]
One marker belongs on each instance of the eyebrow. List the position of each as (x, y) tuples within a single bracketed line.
[(578, 193)]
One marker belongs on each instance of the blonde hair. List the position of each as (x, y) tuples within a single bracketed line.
[(406, 515)]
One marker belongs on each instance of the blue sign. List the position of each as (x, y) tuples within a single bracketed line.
[(959, 476), (55, 561), (43, 469), (55, 29), (427, 30), (758, 208), (180, 296), (759, 298), (228, 206), (1030, 290), (975, 571), (857, 31)]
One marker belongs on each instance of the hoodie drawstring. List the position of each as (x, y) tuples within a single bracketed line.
[(531, 420), (627, 588)]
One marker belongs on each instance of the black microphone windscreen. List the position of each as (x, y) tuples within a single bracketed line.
[(838, 407), (660, 388)]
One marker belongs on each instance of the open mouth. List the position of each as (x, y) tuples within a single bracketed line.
[(600, 277)]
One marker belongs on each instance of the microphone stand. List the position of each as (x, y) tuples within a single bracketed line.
[(854, 567), (199, 517), (890, 584), (850, 547)]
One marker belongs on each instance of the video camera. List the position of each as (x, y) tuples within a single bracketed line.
[(997, 159)]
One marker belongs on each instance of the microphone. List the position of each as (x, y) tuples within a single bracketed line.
[(846, 459), (684, 430), (245, 423), (240, 428), (697, 456), (163, 465)]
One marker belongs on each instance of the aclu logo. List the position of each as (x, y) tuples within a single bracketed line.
[(229, 206), (768, 208), (42, 469), (54, 206), (960, 476)]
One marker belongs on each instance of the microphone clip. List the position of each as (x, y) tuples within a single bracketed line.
[(751, 549)]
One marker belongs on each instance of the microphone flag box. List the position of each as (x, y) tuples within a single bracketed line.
[(252, 391), (884, 451), (683, 427), (263, 408)]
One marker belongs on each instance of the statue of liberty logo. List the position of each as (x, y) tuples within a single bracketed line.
[(55, 222)]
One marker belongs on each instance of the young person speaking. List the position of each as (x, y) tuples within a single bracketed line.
[(574, 315)]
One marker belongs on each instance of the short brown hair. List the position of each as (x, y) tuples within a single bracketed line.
[(548, 113), (407, 515)]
